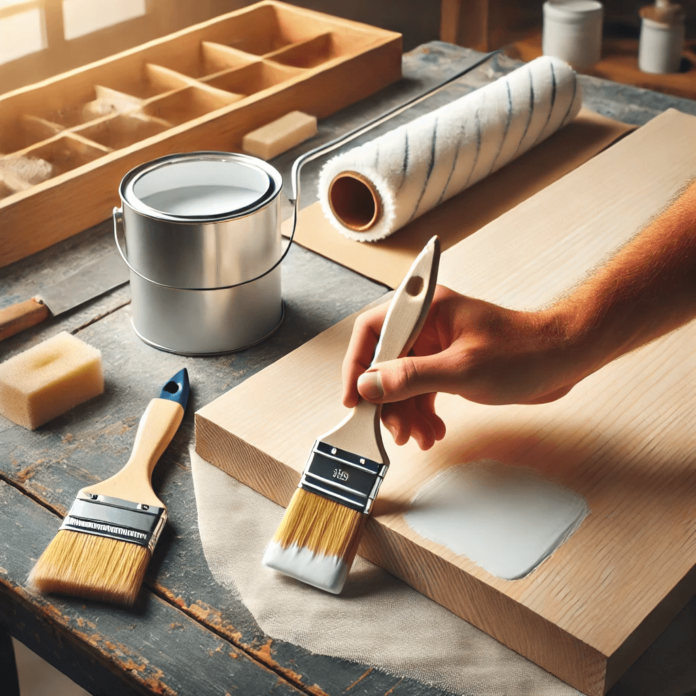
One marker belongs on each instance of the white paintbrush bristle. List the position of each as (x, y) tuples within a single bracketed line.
[(323, 572), (316, 541)]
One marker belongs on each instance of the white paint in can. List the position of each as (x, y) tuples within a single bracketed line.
[(201, 188)]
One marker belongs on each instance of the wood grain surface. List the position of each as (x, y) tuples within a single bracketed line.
[(622, 438), (162, 665)]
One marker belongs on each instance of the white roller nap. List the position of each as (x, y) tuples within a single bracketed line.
[(423, 163)]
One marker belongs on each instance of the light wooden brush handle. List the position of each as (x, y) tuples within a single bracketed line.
[(155, 431), (359, 432), (21, 316), (410, 305)]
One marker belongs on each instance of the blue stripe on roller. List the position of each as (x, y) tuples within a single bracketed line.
[(572, 100), (477, 119), (454, 164), (404, 166), (531, 111), (431, 164), (507, 128), (553, 101)]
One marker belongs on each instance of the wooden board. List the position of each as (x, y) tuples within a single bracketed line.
[(388, 260), (623, 438), (202, 88)]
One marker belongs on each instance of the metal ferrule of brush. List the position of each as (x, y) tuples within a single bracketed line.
[(117, 519), (342, 477)]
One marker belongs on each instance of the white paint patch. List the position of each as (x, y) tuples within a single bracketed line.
[(201, 201), (324, 572), (507, 519)]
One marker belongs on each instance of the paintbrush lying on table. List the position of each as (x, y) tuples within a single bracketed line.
[(104, 545), (319, 535)]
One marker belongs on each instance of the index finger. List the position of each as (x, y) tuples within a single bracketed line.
[(361, 350)]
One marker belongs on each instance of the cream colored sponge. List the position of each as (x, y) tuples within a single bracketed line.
[(280, 135), (49, 379)]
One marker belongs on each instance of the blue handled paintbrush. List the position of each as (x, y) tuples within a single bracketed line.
[(107, 538), (319, 535)]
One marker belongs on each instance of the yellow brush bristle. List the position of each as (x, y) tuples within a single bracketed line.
[(320, 525), (92, 567)]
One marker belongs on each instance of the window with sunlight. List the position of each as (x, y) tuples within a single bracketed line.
[(82, 17), (22, 29)]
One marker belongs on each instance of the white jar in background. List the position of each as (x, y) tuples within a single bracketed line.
[(573, 31), (660, 47)]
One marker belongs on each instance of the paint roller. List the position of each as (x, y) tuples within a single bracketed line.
[(373, 190)]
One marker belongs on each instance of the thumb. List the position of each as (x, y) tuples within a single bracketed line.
[(401, 379)]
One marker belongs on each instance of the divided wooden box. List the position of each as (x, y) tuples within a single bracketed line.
[(623, 438), (65, 143)]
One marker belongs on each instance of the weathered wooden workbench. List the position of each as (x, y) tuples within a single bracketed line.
[(187, 635)]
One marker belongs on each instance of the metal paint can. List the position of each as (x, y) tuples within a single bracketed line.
[(200, 233)]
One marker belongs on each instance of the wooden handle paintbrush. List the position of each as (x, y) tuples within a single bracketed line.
[(319, 535), (106, 540)]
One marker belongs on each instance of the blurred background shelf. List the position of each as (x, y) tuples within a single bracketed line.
[(620, 63), (58, 35)]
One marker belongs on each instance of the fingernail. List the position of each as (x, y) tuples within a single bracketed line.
[(370, 385)]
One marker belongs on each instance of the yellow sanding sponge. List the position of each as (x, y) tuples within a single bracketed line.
[(49, 379)]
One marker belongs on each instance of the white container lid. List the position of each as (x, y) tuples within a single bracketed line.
[(662, 26), (572, 11)]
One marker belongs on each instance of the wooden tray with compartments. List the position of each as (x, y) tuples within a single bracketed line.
[(66, 142)]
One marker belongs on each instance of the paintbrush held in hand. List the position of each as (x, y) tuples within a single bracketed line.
[(106, 540), (319, 535)]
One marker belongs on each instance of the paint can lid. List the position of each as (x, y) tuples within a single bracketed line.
[(201, 186)]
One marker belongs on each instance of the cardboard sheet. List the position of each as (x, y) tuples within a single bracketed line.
[(388, 260)]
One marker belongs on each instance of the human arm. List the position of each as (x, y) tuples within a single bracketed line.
[(493, 355)]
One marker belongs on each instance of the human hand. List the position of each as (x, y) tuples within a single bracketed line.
[(475, 349)]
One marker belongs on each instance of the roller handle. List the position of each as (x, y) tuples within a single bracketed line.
[(156, 429), (21, 316)]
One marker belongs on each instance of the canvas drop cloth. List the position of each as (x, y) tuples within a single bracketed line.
[(377, 621), (381, 622)]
